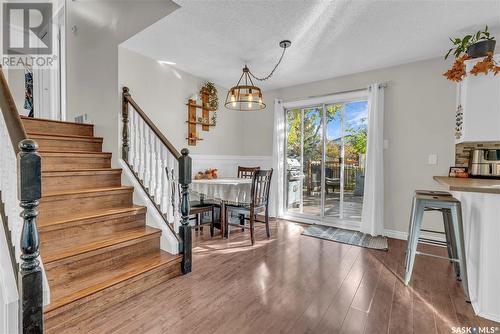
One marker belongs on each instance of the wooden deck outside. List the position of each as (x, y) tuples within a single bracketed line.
[(352, 205)]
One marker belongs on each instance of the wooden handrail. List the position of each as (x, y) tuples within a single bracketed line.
[(17, 133), (182, 185), (127, 97)]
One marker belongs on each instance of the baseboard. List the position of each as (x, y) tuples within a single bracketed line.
[(489, 316), (404, 235), (396, 234)]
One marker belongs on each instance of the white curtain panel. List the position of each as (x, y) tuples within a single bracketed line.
[(278, 156), (373, 202)]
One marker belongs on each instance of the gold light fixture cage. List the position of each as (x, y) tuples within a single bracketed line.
[(245, 97)]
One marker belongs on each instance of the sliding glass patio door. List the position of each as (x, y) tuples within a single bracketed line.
[(324, 152)]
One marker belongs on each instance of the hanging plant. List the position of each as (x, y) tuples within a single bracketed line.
[(488, 64), (213, 98), (480, 44), (457, 71)]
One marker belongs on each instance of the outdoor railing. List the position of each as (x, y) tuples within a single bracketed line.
[(333, 169)]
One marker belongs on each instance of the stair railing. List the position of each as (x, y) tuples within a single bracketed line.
[(21, 177), (163, 172)]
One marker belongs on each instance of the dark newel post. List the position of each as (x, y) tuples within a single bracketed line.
[(125, 147), (185, 230), (29, 191)]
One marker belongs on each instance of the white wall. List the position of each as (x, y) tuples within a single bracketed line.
[(162, 91), (9, 297), (92, 57), (419, 120)]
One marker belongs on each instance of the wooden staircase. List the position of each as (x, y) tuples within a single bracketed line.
[(96, 249)]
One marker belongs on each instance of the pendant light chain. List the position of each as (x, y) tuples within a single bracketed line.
[(272, 72), (245, 96)]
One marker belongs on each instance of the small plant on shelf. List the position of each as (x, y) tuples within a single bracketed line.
[(213, 98), (480, 44)]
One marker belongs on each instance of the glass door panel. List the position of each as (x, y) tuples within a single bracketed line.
[(312, 153), (356, 129), (333, 159), (293, 154)]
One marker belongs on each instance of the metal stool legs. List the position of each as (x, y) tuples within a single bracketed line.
[(415, 225), (451, 244), (452, 218), (456, 215)]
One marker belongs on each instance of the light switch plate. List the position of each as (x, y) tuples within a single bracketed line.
[(433, 159)]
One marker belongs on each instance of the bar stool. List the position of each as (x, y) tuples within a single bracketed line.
[(448, 230), (450, 207)]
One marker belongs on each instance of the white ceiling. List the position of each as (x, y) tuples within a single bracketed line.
[(212, 39)]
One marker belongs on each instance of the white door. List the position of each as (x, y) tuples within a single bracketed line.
[(48, 82)]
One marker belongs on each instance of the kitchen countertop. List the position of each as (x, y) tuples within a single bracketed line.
[(491, 186)]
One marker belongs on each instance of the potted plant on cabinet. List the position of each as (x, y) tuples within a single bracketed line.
[(474, 46), (480, 44)]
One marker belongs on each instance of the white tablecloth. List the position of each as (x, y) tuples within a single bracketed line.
[(230, 190)]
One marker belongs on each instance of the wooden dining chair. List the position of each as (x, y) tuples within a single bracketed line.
[(245, 173), (196, 211), (259, 196)]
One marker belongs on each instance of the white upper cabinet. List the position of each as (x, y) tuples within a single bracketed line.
[(479, 97)]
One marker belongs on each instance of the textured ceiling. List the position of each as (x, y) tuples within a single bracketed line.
[(212, 39)]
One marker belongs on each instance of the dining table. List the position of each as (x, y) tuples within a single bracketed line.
[(224, 191)]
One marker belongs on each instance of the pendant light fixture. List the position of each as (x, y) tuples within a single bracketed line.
[(245, 96)]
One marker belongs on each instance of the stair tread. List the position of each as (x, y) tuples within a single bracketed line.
[(74, 153), (83, 170), (68, 247), (135, 209), (85, 191), (63, 136), (89, 171), (54, 121), (84, 286)]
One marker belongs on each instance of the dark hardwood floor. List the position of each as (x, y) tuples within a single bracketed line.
[(294, 284)]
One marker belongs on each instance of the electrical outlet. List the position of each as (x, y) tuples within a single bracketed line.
[(432, 159)]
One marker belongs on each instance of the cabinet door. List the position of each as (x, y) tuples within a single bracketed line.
[(481, 104)]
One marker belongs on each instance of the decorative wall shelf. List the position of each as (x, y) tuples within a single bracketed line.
[(200, 123), (193, 120), (199, 106)]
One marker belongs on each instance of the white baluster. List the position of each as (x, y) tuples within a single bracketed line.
[(165, 188), (147, 170), (137, 156), (159, 172), (131, 135), (152, 163), (177, 198), (173, 187), (140, 169)]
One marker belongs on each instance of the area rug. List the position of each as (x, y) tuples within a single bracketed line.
[(346, 237)]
